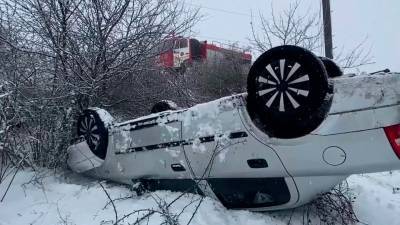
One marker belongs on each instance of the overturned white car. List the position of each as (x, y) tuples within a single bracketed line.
[(297, 132)]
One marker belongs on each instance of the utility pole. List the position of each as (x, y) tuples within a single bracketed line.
[(326, 12)]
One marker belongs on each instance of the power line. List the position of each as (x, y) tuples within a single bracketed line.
[(218, 39), (221, 10), (222, 39)]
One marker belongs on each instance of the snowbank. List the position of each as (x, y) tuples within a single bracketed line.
[(72, 199)]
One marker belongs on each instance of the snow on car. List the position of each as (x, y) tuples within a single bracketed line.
[(301, 128)]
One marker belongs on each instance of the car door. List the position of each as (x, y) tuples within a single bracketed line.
[(216, 137), (204, 133), (240, 171), (150, 148)]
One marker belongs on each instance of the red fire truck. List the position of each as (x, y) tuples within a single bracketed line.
[(180, 52)]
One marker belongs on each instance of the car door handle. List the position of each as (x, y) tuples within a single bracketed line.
[(177, 167), (257, 163)]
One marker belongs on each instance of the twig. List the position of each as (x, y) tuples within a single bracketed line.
[(195, 211), (9, 184), (112, 202)]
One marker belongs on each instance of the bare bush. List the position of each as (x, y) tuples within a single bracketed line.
[(203, 81), (330, 208), (136, 96), (11, 160), (62, 56), (335, 207), (212, 80)]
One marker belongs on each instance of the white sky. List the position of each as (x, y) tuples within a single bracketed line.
[(352, 22)]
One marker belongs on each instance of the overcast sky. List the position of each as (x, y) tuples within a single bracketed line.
[(352, 22)]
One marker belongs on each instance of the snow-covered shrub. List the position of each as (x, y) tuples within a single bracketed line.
[(59, 66)]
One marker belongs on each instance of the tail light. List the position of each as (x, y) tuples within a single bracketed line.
[(393, 134)]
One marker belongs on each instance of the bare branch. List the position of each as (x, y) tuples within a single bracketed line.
[(291, 28)]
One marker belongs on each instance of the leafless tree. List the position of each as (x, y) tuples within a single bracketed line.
[(287, 28), (88, 43), (356, 57), (62, 56), (293, 28)]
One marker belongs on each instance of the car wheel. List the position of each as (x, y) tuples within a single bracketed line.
[(288, 92), (164, 105), (93, 129), (331, 67)]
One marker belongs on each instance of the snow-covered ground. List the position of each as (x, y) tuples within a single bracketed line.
[(71, 199)]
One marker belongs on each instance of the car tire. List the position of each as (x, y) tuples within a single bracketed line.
[(164, 105), (94, 130), (288, 92), (331, 67)]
